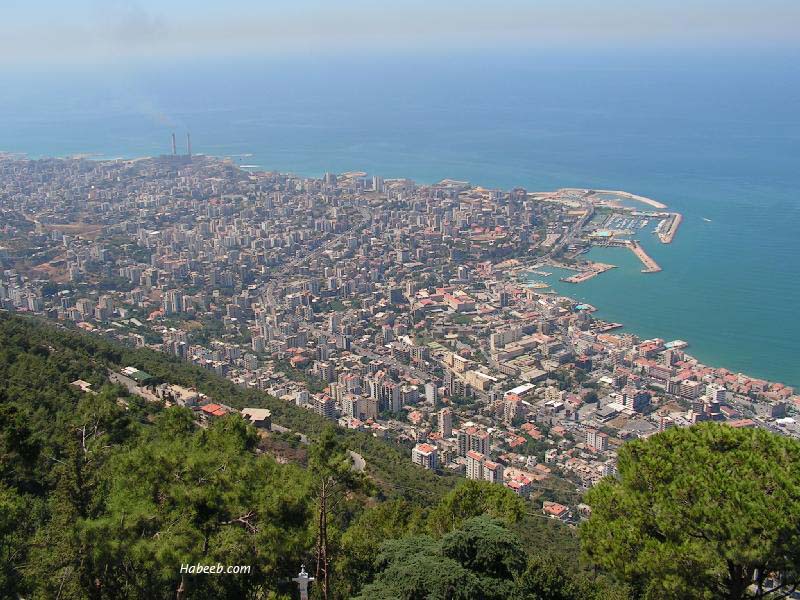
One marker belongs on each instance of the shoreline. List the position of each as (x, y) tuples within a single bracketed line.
[(674, 226), (609, 326)]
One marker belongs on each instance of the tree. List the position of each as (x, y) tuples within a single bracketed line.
[(485, 547), (361, 541), (333, 478), (546, 579), (413, 568), (705, 512), (472, 499), (482, 559)]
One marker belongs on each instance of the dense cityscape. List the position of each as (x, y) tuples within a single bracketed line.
[(407, 311)]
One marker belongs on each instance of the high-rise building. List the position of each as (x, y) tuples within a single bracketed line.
[(446, 422), (325, 406), (430, 392), (472, 438), (475, 465), (716, 392), (492, 471), (597, 440)]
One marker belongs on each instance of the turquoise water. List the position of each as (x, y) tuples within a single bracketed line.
[(714, 136)]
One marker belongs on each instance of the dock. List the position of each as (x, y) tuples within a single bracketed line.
[(589, 273), (667, 236), (650, 265)]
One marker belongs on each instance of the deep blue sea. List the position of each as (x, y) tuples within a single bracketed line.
[(715, 135)]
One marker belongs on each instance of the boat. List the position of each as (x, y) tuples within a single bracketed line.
[(706, 220)]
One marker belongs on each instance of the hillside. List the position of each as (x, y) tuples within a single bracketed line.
[(106, 495)]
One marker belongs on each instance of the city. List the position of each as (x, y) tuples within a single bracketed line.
[(406, 311)]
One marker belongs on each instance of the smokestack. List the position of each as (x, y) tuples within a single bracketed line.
[(189, 144), (174, 147)]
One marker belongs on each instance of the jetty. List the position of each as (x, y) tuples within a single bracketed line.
[(650, 265), (667, 233), (593, 271), (621, 194), (629, 196)]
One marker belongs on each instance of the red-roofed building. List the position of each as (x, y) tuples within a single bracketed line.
[(426, 456), (554, 510), (213, 410)]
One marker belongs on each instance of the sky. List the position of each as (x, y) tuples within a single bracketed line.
[(76, 31)]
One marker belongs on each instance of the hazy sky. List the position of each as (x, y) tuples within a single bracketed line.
[(103, 30)]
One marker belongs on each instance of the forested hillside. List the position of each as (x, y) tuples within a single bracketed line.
[(105, 496)]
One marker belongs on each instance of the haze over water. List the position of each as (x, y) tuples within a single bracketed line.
[(715, 137)]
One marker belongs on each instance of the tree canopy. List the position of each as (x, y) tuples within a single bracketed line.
[(710, 511)]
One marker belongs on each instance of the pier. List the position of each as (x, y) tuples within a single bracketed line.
[(593, 271), (621, 194), (650, 265), (629, 196), (667, 236)]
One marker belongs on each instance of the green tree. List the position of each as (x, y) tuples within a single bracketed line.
[(705, 512), (482, 560), (485, 547), (474, 498), (413, 568), (548, 578), (362, 540), (333, 476)]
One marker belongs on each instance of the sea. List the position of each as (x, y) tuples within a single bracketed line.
[(712, 133)]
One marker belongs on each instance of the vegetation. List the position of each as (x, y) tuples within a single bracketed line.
[(105, 496), (705, 512)]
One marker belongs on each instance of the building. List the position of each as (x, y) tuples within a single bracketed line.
[(426, 456), (597, 440), (325, 406), (716, 393), (635, 399), (430, 393), (446, 422), (690, 389), (554, 510), (351, 406), (492, 471), (260, 417), (475, 465), (472, 438)]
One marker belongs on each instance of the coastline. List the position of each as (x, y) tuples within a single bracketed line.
[(606, 325), (600, 305)]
